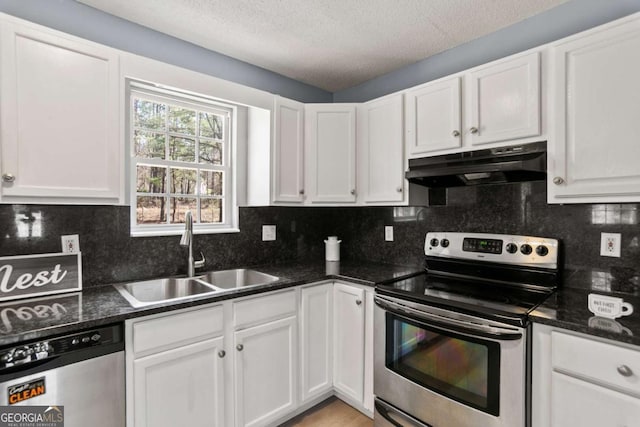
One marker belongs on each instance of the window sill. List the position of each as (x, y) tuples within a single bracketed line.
[(176, 232)]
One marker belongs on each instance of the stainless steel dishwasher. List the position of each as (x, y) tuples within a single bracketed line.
[(83, 372)]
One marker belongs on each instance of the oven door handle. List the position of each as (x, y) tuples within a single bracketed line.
[(384, 410), (478, 329)]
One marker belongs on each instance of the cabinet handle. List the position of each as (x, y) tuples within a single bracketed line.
[(301, 191), (7, 177), (455, 133), (222, 354), (473, 130), (358, 302), (239, 347), (558, 180), (353, 192), (625, 371), (399, 189)]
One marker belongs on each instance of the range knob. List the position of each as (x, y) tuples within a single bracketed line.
[(434, 242), (444, 243), (542, 250), (526, 249), (512, 248)]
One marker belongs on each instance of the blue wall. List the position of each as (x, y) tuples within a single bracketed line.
[(554, 24), (92, 24)]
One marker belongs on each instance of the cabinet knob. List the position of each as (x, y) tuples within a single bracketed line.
[(239, 347), (455, 133), (399, 189), (7, 177), (358, 302), (301, 191), (473, 130), (625, 371), (558, 180), (353, 192), (222, 354)]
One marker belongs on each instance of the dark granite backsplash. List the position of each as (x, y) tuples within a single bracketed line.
[(111, 255)]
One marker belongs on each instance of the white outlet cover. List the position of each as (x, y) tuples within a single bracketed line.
[(268, 233), (70, 244), (388, 233), (610, 244)]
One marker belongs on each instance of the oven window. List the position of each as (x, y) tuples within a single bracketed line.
[(460, 367)]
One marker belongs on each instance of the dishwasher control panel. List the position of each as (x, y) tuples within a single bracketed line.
[(56, 346)]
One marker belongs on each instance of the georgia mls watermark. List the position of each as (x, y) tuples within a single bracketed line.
[(31, 416)]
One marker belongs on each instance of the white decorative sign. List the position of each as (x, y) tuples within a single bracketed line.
[(32, 275), (609, 307)]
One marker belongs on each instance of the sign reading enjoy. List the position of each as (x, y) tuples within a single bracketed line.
[(31, 275)]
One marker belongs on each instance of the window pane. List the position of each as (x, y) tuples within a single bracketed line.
[(182, 149), (211, 125), (182, 120), (179, 207), (210, 183), (210, 210), (151, 179), (210, 152), (151, 210), (183, 181), (148, 114), (149, 145)]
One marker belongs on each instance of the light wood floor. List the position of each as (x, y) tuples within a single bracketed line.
[(330, 413)]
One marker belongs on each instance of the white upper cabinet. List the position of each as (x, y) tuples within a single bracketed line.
[(60, 137), (503, 101), (495, 104), (381, 151), (434, 117), (330, 149), (594, 153), (288, 156)]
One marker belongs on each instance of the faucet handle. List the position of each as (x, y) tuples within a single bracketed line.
[(200, 263)]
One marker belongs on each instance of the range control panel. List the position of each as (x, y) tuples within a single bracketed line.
[(501, 248)]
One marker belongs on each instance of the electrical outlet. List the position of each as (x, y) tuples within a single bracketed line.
[(268, 233), (610, 244), (70, 244), (388, 233)]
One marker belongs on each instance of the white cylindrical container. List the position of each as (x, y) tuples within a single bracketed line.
[(332, 248)]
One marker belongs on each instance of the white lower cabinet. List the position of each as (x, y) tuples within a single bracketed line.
[(265, 372)]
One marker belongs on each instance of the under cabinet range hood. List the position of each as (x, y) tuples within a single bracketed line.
[(527, 162)]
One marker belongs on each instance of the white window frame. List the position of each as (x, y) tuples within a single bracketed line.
[(174, 97)]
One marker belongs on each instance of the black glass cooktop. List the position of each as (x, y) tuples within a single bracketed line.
[(472, 296)]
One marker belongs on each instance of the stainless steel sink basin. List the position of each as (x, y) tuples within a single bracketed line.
[(236, 278), (160, 290)]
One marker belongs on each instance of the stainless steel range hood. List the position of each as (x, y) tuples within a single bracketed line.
[(527, 162)]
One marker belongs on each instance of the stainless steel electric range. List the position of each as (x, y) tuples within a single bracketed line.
[(452, 344)]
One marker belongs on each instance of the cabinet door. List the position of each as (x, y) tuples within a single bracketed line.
[(503, 101), (594, 151), (288, 157), (183, 386), (265, 372), (330, 138), (316, 338), (579, 403), (433, 120), (380, 150), (61, 140), (349, 333)]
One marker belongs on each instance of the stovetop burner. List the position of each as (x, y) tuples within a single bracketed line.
[(483, 275)]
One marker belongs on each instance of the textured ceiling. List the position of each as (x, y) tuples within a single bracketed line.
[(331, 44)]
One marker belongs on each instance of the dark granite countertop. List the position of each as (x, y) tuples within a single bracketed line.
[(33, 318), (568, 309)]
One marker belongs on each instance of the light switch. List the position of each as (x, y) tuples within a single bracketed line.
[(268, 233), (388, 233)]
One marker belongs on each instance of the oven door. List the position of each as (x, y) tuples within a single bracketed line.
[(449, 369)]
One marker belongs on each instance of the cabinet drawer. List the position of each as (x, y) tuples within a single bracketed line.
[(601, 362), (264, 308), (171, 330)]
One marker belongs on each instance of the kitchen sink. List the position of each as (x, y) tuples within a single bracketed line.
[(161, 290), (236, 278)]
